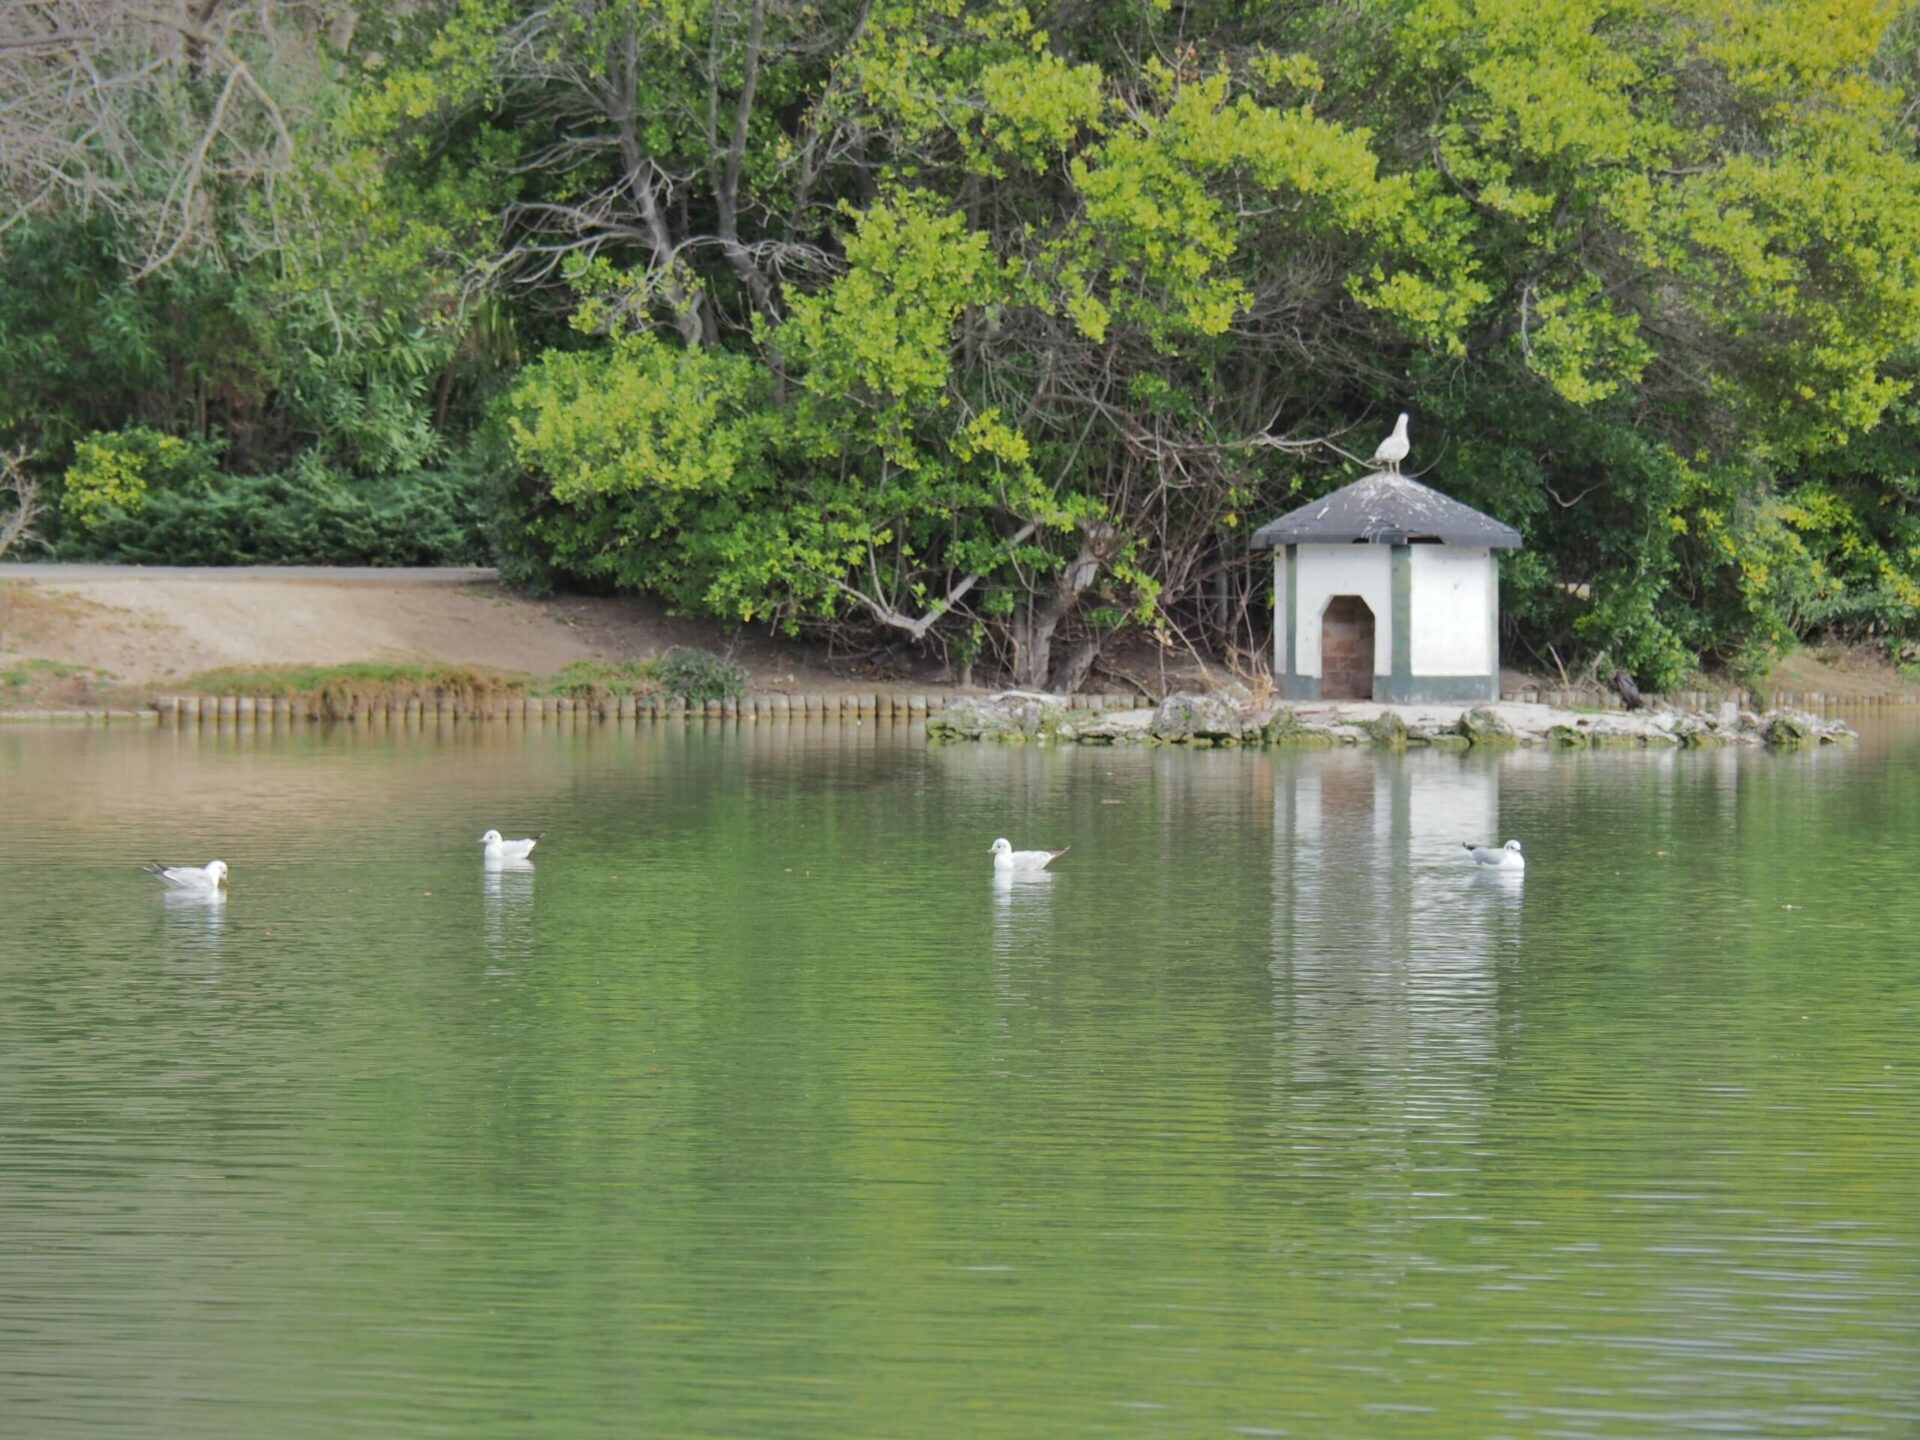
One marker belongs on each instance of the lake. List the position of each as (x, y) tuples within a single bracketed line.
[(756, 1107)]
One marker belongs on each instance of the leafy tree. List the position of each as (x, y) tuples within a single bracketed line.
[(987, 326)]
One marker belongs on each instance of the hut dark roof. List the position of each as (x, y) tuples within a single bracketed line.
[(1386, 509)]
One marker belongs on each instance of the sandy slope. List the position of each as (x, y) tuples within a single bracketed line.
[(149, 624)]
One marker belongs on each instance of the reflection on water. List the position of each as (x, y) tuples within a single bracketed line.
[(1021, 904), (766, 1108), (1387, 944), (506, 887), (202, 907), (194, 922)]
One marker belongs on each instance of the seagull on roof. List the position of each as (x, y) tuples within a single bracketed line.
[(203, 878), (1394, 448), (1009, 861)]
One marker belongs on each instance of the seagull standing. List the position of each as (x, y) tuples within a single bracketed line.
[(498, 849), (210, 876), (1009, 861), (1507, 857), (1394, 448)]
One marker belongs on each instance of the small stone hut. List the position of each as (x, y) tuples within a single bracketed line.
[(1387, 590)]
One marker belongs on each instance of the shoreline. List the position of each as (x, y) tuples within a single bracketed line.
[(1216, 719), (96, 639), (853, 698), (1220, 718)]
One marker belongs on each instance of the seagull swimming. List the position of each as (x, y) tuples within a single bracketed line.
[(498, 849), (210, 876), (1394, 448), (1009, 861), (1507, 857)]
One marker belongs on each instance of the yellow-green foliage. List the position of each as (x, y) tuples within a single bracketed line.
[(1707, 165), (640, 415), (877, 344), (113, 472)]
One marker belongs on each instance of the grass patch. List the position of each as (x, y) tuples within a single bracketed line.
[(588, 679), (339, 692), (343, 691), (23, 674), (696, 676), (306, 679)]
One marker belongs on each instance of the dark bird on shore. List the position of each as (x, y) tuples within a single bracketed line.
[(1628, 692)]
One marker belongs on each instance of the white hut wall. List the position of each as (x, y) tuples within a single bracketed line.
[(1452, 593), (1330, 570)]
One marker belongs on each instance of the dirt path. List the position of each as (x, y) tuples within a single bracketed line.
[(144, 625), (148, 625)]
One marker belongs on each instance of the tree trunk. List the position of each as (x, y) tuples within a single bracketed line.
[(726, 185), (682, 296), (1079, 663), (1033, 632)]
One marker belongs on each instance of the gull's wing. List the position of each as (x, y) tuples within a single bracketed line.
[(1037, 859), (182, 875)]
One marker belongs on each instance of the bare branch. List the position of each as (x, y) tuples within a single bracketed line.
[(1569, 504), (187, 184), (918, 627), (16, 524), (104, 110)]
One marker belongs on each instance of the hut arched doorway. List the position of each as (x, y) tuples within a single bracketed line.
[(1346, 649)]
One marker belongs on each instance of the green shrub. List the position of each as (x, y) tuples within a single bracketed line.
[(696, 676), (308, 515), (115, 474), (699, 675)]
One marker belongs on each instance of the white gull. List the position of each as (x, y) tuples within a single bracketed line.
[(1009, 861), (1506, 857), (498, 849), (210, 876), (1394, 448)]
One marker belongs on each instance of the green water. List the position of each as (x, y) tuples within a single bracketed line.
[(756, 1108)]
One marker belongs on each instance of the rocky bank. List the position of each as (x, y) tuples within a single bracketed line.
[(1223, 717)]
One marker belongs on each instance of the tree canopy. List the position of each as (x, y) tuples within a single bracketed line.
[(989, 327)]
